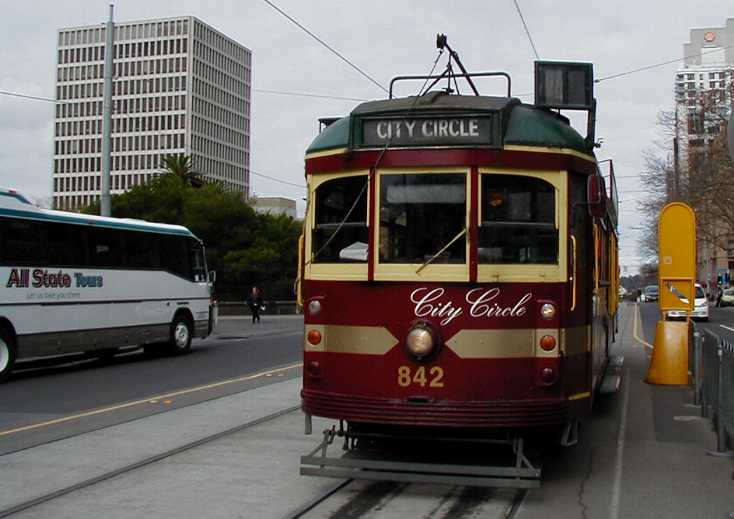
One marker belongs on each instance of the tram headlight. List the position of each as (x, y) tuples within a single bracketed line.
[(314, 307), (548, 311), (421, 341)]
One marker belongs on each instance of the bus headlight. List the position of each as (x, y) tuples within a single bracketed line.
[(421, 340)]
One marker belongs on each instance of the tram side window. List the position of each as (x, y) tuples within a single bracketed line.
[(518, 220), (21, 242), (338, 235), (422, 217)]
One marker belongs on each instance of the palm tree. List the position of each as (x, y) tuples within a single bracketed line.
[(180, 166)]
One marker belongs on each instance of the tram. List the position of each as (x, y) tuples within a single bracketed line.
[(459, 260)]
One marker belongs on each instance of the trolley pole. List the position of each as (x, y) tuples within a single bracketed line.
[(107, 116)]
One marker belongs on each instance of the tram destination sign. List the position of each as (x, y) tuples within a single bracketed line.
[(431, 131)]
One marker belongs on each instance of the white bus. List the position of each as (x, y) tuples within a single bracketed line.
[(76, 283)]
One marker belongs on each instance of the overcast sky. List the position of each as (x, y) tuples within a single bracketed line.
[(384, 38)]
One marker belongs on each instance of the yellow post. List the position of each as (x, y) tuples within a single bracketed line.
[(676, 280)]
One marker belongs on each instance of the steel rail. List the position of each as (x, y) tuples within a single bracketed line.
[(142, 463), (303, 510)]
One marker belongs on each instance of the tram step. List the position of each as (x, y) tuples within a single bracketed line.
[(613, 376)]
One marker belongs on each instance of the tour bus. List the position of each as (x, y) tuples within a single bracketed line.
[(77, 283)]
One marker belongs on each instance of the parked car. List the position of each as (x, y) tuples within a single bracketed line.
[(700, 307), (727, 297), (650, 293)]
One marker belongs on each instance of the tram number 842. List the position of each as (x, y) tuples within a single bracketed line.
[(434, 378)]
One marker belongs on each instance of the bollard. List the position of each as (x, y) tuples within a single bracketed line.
[(697, 367), (720, 432)]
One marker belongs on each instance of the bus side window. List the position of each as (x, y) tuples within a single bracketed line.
[(22, 242), (106, 248), (196, 260), (142, 250), (174, 255), (65, 244)]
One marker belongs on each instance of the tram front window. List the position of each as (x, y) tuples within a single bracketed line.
[(340, 229), (423, 218), (518, 220)]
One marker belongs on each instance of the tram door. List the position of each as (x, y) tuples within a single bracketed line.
[(581, 265)]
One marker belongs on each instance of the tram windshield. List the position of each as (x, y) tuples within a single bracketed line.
[(421, 214), (518, 220), (340, 229)]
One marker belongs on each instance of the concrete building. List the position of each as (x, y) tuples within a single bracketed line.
[(706, 75), (274, 205), (180, 87), (704, 85)]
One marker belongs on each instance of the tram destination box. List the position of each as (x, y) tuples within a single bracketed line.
[(483, 130)]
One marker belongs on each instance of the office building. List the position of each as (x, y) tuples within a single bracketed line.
[(274, 205), (180, 87)]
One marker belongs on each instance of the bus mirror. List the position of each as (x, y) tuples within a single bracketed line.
[(595, 195), (212, 276)]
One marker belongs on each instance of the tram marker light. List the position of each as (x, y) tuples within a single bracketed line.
[(314, 337), (547, 342), (548, 311), (548, 376), (314, 307)]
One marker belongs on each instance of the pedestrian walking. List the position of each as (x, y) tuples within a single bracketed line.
[(255, 302), (719, 293)]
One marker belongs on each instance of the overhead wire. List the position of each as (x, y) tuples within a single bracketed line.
[(305, 94), (661, 64), (274, 179), (522, 18), (27, 96), (322, 42)]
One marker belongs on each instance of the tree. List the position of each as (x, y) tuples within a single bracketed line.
[(244, 247), (181, 167), (702, 176)]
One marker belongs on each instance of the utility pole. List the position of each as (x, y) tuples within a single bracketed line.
[(676, 160), (107, 116)]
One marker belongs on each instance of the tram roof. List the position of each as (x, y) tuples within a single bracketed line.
[(522, 124), (16, 205)]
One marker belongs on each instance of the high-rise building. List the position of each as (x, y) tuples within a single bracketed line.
[(179, 87), (706, 76), (704, 85)]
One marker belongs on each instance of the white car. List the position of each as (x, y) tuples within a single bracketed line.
[(700, 307)]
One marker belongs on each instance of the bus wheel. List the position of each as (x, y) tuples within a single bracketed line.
[(180, 335), (7, 354)]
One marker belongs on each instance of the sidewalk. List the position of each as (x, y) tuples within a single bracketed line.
[(641, 455)]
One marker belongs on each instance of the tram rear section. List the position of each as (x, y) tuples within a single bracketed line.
[(457, 285)]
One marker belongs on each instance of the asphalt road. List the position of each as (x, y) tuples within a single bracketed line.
[(62, 397), (721, 321)]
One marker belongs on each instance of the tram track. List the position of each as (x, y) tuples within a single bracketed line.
[(50, 496), (387, 499)]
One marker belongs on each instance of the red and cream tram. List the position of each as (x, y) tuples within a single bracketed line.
[(459, 261)]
